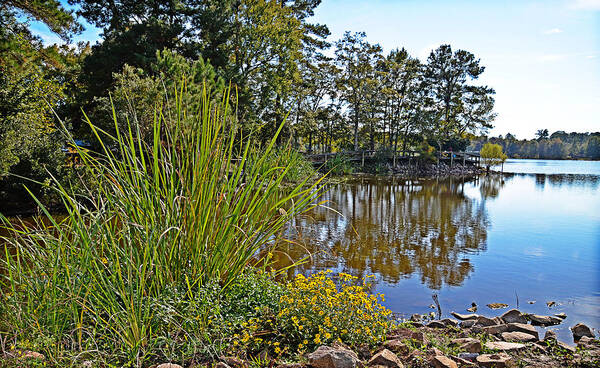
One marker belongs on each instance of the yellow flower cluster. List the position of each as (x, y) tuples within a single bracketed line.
[(316, 310)]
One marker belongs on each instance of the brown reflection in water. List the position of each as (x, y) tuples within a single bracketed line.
[(396, 228)]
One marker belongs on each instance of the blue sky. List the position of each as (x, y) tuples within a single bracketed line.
[(541, 57)]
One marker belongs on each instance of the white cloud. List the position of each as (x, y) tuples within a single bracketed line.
[(591, 56), (585, 4), (553, 31)]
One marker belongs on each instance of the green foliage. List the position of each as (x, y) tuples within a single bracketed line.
[(426, 154), (593, 148), (164, 219), (299, 169), (492, 155), (340, 164), (137, 94)]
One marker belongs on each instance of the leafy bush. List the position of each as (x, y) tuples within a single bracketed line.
[(314, 311), (492, 155)]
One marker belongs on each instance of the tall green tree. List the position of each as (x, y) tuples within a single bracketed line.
[(460, 106), (356, 59)]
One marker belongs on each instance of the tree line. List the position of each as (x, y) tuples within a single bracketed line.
[(556, 146)]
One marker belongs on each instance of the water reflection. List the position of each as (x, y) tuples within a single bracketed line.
[(399, 229), (569, 180)]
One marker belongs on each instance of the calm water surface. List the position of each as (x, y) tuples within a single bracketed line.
[(533, 234)]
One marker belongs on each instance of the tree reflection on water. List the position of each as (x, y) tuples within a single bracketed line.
[(396, 228)]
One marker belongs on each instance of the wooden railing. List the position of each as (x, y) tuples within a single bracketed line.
[(361, 155)]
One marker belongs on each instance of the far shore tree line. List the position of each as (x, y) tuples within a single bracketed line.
[(556, 146)]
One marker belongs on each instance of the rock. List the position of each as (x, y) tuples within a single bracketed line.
[(416, 324), (33, 355), (494, 330), (550, 335), (287, 365), (566, 347), (561, 315), (499, 360), (484, 321), (521, 327), (449, 322), (504, 346), (544, 320), (518, 336), (387, 359), (169, 365), (416, 317), (233, 362), (531, 302), (462, 362), (467, 323), (464, 317), (580, 330), (328, 357), (497, 305), (408, 334), (550, 304), (436, 324), (514, 316), (397, 346), (471, 357), (441, 361), (432, 353), (585, 341), (468, 344)]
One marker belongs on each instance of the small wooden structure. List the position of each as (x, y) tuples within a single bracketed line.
[(466, 158)]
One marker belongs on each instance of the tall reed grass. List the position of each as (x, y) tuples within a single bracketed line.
[(173, 215)]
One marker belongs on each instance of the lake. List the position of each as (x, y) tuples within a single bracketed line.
[(529, 235)]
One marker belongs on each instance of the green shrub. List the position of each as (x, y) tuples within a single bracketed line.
[(132, 269)]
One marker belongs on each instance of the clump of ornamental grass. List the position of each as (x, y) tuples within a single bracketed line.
[(314, 311), (134, 270)]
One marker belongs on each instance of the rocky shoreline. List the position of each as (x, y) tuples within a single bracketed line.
[(436, 170), (470, 340)]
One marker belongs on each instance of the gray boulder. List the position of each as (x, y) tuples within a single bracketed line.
[(521, 327), (387, 359), (329, 357), (514, 316), (580, 330)]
